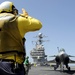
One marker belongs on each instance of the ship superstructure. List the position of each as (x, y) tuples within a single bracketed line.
[(38, 53)]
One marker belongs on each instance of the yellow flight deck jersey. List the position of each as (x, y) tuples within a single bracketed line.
[(12, 31)]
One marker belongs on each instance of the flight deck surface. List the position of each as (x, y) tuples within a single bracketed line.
[(45, 70)]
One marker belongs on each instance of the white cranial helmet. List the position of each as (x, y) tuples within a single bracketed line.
[(6, 6)]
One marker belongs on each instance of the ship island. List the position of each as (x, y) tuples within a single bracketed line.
[(38, 52)]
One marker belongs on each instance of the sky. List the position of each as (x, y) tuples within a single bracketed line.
[(58, 23)]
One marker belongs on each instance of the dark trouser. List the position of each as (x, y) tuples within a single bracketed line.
[(8, 68)]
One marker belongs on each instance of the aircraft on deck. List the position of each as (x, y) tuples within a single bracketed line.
[(62, 59)]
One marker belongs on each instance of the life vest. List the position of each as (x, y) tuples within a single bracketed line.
[(10, 38)]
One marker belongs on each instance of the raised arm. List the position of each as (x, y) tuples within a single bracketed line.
[(27, 23)]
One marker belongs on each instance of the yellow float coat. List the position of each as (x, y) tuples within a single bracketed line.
[(12, 31)]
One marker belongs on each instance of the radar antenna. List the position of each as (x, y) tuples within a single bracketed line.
[(40, 40)]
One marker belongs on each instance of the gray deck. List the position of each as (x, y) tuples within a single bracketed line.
[(50, 71)]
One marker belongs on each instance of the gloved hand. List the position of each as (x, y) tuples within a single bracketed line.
[(24, 14)]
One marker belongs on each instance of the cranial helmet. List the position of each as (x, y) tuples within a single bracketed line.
[(27, 57), (6, 6)]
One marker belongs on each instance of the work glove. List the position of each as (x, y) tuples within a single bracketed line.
[(24, 14)]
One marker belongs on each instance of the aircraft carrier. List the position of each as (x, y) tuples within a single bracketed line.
[(38, 53)]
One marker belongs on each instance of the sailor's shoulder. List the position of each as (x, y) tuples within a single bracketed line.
[(6, 16)]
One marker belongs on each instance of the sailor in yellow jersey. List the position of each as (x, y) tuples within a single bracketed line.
[(13, 27)]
